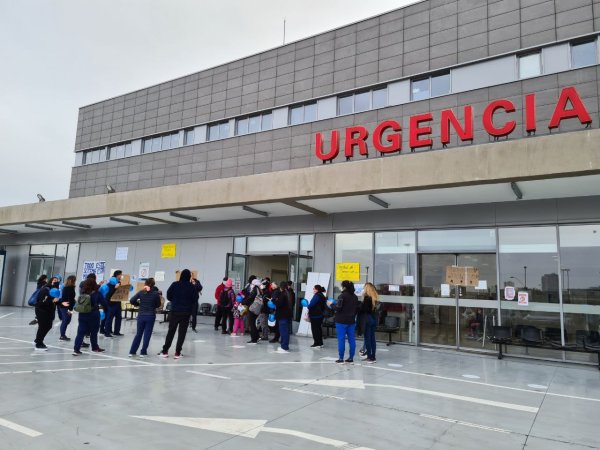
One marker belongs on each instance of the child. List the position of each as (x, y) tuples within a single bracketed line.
[(238, 319)]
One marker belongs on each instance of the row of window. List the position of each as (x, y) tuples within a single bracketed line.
[(579, 54)]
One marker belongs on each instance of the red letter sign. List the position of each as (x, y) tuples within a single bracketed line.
[(488, 115), (448, 118), (530, 119), (334, 149), (569, 94), (359, 140), (416, 131), (395, 139)]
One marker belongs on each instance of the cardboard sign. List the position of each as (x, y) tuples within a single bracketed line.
[(347, 271), (122, 292), (462, 276)]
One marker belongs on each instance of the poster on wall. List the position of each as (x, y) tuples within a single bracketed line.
[(159, 275), (523, 298), (509, 293), (144, 271), (168, 251), (347, 271), (121, 253), (95, 267)]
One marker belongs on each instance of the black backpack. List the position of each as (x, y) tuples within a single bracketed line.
[(224, 299)]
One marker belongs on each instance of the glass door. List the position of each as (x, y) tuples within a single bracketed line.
[(457, 316), (299, 266), (38, 266), (236, 269)]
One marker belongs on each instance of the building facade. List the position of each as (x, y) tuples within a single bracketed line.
[(446, 133)]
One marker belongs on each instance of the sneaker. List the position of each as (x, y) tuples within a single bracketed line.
[(108, 335), (33, 322), (131, 355), (143, 355), (85, 344), (77, 353), (224, 332), (281, 350), (163, 355), (364, 358), (252, 342), (349, 361), (64, 338), (362, 352), (177, 355), (371, 361), (98, 350), (118, 334), (259, 339), (340, 361)]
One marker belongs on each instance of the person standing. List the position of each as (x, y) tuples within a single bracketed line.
[(292, 299), (315, 313), (182, 294), (66, 306), (41, 282), (370, 308), (89, 322), (226, 301), (113, 309), (283, 316), (238, 319), (219, 315), (45, 308), (345, 321), (198, 285), (148, 299), (248, 301)]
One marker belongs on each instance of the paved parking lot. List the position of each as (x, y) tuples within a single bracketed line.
[(225, 395)]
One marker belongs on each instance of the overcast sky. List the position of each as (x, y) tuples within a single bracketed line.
[(59, 55)]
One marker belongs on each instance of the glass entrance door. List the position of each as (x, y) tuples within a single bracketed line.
[(38, 266), (457, 316), (236, 269), (299, 266)]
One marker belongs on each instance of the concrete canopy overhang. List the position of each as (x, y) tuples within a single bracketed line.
[(555, 166)]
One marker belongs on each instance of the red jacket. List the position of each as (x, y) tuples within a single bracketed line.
[(218, 291)]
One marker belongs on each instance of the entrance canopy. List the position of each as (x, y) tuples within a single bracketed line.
[(559, 166)]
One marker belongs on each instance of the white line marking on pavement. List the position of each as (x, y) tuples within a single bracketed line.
[(300, 391), (55, 361), (199, 340), (480, 401), (467, 424), (208, 374), (238, 346), (19, 428), (6, 315), (328, 358)]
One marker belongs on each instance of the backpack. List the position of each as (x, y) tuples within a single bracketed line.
[(83, 304), (33, 299), (256, 306)]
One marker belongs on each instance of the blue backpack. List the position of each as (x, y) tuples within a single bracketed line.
[(33, 299)]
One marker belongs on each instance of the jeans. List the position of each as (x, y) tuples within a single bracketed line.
[(145, 325), (284, 331), (342, 330), (316, 326), (181, 320), (370, 344), (89, 323), (65, 317), (114, 312)]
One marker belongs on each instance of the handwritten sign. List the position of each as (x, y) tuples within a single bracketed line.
[(95, 267), (168, 251), (347, 271)]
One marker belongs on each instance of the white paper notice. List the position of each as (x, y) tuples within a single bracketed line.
[(159, 275), (121, 253), (509, 292), (445, 290), (144, 271), (523, 298), (394, 288), (409, 279), (303, 287), (482, 285)]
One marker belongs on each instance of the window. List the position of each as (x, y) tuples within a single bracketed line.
[(241, 126), (188, 138), (420, 89), (218, 131), (380, 98), (156, 144), (345, 105), (296, 115), (362, 102), (267, 121), (530, 65), (583, 54), (175, 140), (254, 124), (440, 84), (310, 112), (224, 130)]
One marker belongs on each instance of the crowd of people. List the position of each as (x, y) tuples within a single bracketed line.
[(262, 306)]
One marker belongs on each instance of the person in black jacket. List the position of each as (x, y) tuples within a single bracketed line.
[(315, 312), (345, 321), (41, 281), (182, 294), (67, 301), (253, 292), (45, 308), (283, 315), (148, 299)]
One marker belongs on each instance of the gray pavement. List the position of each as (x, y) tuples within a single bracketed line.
[(224, 394)]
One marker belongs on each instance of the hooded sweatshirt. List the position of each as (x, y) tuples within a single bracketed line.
[(182, 294)]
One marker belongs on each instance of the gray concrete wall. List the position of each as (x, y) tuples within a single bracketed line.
[(15, 275), (419, 38)]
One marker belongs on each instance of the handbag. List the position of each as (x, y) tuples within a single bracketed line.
[(256, 306)]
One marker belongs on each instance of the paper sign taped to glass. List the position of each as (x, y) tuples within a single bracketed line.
[(462, 276)]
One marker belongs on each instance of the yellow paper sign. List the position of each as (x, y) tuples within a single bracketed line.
[(347, 271), (168, 251)]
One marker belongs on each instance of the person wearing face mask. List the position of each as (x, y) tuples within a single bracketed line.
[(219, 316), (148, 299)]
